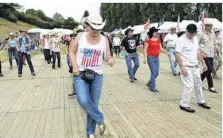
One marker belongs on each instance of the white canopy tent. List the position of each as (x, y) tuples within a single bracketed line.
[(183, 25), (39, 32), (62, 31), (164, 28)]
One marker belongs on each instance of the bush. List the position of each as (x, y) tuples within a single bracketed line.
[(12, 18)]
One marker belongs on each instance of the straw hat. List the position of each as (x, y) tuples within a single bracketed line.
[(12, 34), (207, 22)]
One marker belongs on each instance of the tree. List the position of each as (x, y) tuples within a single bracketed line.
[(86, 14), (121, 15), (57, 16)]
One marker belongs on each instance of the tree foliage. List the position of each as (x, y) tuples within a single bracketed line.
[(36, 17), (121, 15)]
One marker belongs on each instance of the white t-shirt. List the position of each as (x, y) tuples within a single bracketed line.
[(47, 45), (171, 40), (116, 41), (188, 50)]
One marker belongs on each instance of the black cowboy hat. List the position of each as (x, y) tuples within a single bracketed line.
[(151, 31), (127, 30)]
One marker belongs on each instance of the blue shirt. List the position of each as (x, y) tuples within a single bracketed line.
[(22, 44)]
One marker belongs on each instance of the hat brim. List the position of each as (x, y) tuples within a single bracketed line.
[(96, 27), (208, 24), (128, 30)]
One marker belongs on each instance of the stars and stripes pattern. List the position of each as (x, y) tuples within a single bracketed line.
[(91, 57)]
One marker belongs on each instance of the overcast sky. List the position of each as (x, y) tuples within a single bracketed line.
[(68, 8)]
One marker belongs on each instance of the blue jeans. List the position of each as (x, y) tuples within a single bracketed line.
[(153, 63), (88, 96), (13, 54), (172, 59), (128, 59)]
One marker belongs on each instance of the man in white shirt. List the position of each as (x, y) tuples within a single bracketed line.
[(169, 42), (117, 43), (188, 56)]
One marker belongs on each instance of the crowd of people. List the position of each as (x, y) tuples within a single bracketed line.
[(198, 54)]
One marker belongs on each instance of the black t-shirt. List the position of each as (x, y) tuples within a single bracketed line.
[(130, 44)]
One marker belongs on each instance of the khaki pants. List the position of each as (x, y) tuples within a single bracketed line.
[(191, 81), (217, 64)]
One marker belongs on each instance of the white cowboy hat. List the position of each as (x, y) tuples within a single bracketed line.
[(207, 22), (173, 27), (95, 21)]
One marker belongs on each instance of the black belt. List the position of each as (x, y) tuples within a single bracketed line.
[(196, 66)]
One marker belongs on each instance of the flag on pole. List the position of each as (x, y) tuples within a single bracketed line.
[(178, 23), (202, 16), (147, 25)]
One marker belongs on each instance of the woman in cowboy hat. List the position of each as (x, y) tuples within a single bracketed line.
[(131, 48), (218, 55), (12, 49), (152, 50), (86, 56)]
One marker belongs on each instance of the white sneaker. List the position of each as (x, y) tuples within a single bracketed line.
[(102, 129), (213, 89), (91, 136)]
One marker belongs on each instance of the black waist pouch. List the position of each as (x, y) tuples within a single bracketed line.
[(88, 75)]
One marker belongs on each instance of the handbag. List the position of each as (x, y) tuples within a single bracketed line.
[(122, 54), (88, 75)]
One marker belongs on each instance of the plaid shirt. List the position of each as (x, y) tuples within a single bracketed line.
[(206, 43)]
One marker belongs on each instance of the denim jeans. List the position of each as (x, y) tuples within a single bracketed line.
[(208, 74), (172, 59), (11, 54), (128, 59), (153, 63), (88, 96)]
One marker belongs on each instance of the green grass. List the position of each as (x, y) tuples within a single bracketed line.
[(6, 27)]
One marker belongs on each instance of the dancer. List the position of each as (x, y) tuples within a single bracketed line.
[(12, 49), (131, 47), (188, 56), (46, 48), (206, 43), (152, 50), (55, 48), (117, 43), (218, 55), (86, 57), (24, 50), (169, 42)]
